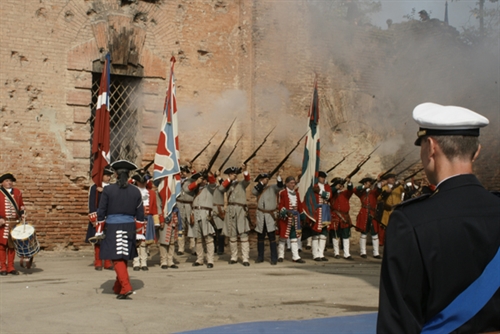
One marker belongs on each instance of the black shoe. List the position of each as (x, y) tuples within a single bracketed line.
[(98, 268), (145, 268), (109, 268), (273, 263), (174, 266), (337, 256), (233, 262), (308, 247), (317, 259), (137, 268), (300, 261), (196, 264), (180, 253), (280, 259), (377, 257), (349, 258), (300, 250), (3, 273), (125, 295), (220, 253), (194, 254), (164, 266), (246, 264), (14, 272), (324, 259), (363, 256), (259, 261), (210, 265)]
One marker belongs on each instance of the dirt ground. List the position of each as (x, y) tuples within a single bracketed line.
[(64, 294)]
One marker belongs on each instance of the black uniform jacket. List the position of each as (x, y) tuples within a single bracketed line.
[(125, 201), (435, 248)]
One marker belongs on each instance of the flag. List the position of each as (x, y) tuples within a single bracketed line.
[(100, 138), (446, 12), (310, 162), (166, 163)]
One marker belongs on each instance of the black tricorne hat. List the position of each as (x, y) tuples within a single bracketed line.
[(196, 176), (321, 174), (337, 180), (108, 170), (140, 176), (7, 176), (261, 176), (123, 164), (232, 170), (366, 179), (388, 176)]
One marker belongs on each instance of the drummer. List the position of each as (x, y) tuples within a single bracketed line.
[(11, 210), (120, 207)]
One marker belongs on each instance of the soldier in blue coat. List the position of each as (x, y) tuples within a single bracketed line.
[(440, 272), (120, 208)]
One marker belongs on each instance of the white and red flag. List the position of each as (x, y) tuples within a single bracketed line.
[(166, 163), (311, 160), (100, 138)]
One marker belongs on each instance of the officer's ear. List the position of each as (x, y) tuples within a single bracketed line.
[(477, 153)]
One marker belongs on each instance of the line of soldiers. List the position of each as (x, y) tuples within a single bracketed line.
[(211, 208)]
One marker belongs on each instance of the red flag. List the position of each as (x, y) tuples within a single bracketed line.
[(100, 139)]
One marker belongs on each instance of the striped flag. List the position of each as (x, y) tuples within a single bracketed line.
[(310, 162), (100, 138), (166, 163)]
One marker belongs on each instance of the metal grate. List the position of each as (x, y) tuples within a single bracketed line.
[(123, 116)]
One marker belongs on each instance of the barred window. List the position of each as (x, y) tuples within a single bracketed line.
[(123, 116)]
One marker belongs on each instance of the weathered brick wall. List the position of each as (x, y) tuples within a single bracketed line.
[(253, 60)]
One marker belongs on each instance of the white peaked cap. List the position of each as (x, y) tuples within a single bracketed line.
[(437, 120)]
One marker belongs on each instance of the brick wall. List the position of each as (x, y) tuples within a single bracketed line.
[(253, 60)]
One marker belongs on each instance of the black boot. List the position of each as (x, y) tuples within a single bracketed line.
[(221, 240), (260, 247), (274, 248)]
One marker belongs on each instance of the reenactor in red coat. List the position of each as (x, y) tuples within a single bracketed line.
[(365, 221), (341, 221), (322, 216), (11, 210), (290, 216)]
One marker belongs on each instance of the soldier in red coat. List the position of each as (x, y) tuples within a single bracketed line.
[(289, 223), (322, 216), (11, 210), (152, 220), (365, 222), (341, 221)]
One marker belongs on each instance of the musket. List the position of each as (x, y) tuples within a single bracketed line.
[(364, 161), (338, 163), (277, 168), (203, 149), (229, 156), (410, 166), (145, 168), (412, 175), (395, 165), (258, 148), (216, 154)]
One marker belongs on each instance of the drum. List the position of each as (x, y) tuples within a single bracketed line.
[(25, 242)]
